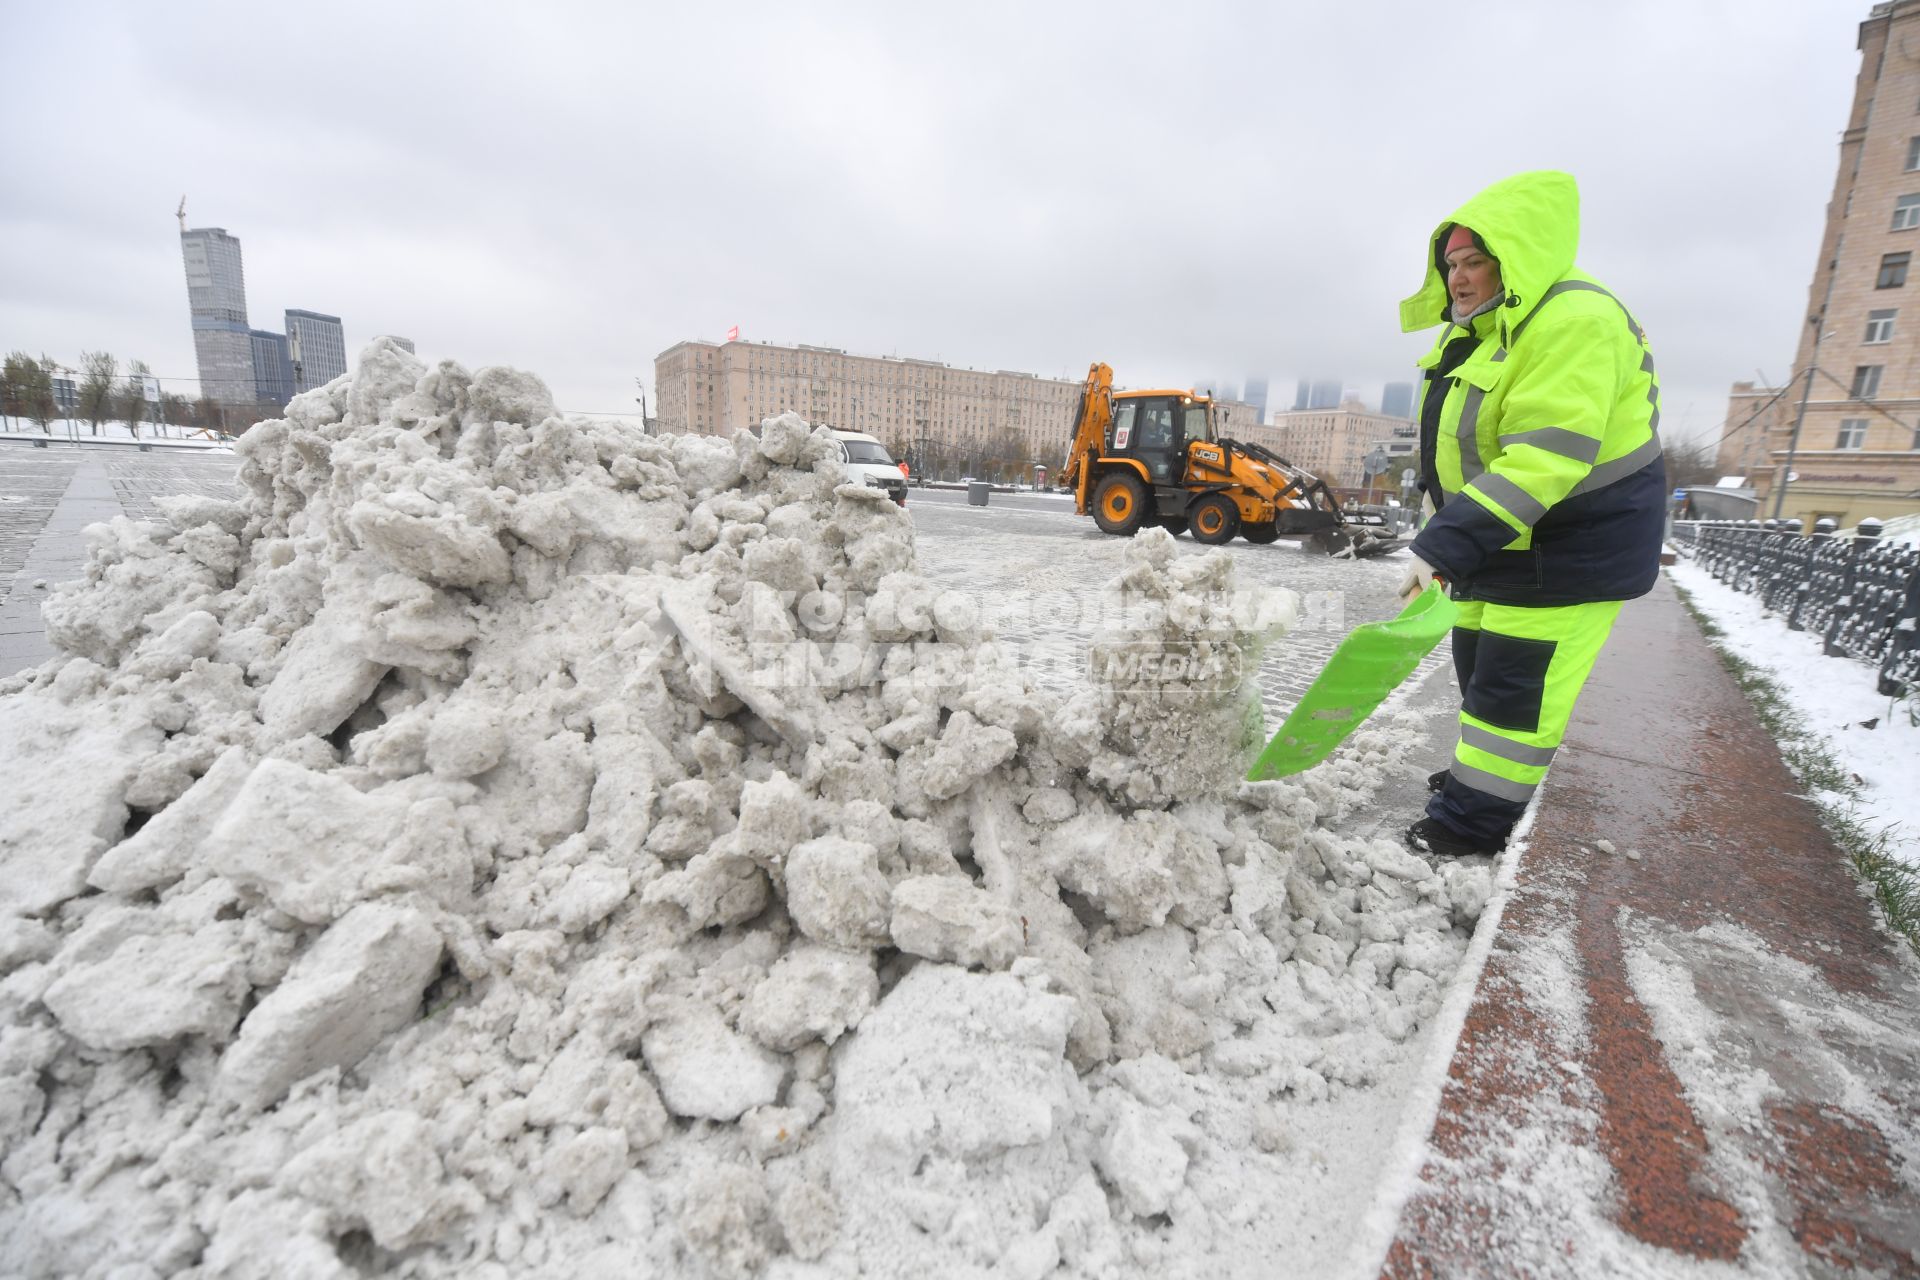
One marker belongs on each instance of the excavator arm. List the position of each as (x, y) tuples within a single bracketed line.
[(1090, 424)]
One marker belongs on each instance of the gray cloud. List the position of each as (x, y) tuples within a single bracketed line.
[(1180, 190)]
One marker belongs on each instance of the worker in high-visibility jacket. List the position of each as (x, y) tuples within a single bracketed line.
[(1540, 452)]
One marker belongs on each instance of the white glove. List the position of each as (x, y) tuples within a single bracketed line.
[(1419, 578)]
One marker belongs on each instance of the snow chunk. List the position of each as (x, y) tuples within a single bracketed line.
[(153, 988), (946, 918), (966, 752), (952, 1063), (707, 1070), (162, 851), (1140, 869), (314, 845), (67, 772), (381, 1173), (1143, 1161), (836, 893), (361, 981), (322, 680), (811, 993)]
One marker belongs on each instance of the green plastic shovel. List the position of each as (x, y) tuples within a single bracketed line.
[(1368, 665)]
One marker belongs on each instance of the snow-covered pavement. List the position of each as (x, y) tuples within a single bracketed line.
[(1872, 736)]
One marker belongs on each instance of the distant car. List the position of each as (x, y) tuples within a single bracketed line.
[(867, 458)]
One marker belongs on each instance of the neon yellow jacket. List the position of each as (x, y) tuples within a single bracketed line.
[(1546, 464)]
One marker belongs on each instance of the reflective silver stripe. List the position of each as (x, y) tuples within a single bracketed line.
[(1468, 431), (1619, 469), (1572, 286), (1521, 504), (1557, 440), (1491, 783), (1506, 748)]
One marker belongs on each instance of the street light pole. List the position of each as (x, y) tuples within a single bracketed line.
[(1793, 440)]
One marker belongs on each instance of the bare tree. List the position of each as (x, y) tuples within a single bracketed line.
[(98, 370), (208, 413), (174, 410), (26, 388), (13, 387), (1691, 463), (134, 407), (40, 404)]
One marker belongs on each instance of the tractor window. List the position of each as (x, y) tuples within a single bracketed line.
[(1156, 426), (1123, 414), (1197, 422)]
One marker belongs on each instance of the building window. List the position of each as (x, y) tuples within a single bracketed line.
[(1913, 154), (1906, 213), (1866, 381), (1853, 434), (1880, 326), (1893, 270)]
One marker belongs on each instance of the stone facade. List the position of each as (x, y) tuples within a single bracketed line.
[(1858, 449), (953, 421)]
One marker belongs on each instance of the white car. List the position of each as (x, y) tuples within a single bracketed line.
[(868, 459)]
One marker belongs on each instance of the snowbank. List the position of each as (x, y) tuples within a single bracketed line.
[(507, 844)]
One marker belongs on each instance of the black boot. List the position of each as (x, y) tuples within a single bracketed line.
[(1430, 835)]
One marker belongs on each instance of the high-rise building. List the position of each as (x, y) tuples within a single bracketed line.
[(1257, 397), (272, 368), (1857, 368), (1318, 393), (1396, 400), (318, 347), (217, 299)]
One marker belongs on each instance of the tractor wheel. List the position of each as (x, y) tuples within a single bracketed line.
[(1215, 519), (1260, 533), (1120, 504), (1175, 525)]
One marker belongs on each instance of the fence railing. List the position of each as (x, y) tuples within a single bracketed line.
[(1859, 595)]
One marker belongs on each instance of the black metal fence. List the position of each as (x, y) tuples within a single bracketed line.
[(1861, 596)]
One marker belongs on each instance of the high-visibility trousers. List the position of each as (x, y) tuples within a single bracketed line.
[(1521, 670)]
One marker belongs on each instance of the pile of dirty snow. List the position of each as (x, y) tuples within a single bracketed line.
[(508, 844)]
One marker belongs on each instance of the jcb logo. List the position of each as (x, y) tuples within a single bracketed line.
[(1211, 455)]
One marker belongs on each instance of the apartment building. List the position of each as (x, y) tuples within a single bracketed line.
[(1857, 368), (1331, 443), (952, 420)]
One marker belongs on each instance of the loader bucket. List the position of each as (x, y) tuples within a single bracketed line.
[(1357, 543), (1369, 664)]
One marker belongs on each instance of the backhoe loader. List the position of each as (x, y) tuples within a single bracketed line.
[(1156, 456)]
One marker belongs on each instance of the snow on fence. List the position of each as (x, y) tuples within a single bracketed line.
[(1859, 594)]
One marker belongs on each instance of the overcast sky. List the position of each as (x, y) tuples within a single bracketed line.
[(1185, 190)]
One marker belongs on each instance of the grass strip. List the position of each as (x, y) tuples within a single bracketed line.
[(1892, 884)]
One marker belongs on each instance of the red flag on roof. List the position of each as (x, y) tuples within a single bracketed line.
[(733, 334)]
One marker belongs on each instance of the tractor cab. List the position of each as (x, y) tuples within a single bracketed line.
[(1155, 427)]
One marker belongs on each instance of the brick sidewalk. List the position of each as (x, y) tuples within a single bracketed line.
[(1706, 1052)]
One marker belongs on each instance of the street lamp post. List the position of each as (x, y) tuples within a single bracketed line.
[(1793, 440)]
